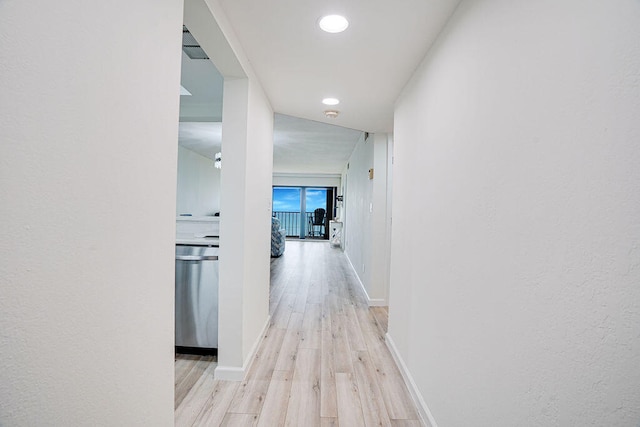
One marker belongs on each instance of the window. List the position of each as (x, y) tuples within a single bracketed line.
[(296, 207)]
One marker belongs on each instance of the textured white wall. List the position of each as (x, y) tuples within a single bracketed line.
[(379, 243), (88, 215), (365, 215), (356, 217), (198, 185), (515, 257)]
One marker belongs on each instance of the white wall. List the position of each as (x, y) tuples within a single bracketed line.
[(514, 284), (258, 226), (245, 191), (378, 288), (245, 225), (356, 215), (198, 190), (365, 215), (307, 180), (87, 323)]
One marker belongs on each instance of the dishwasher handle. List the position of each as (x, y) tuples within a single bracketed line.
[(196, 257)]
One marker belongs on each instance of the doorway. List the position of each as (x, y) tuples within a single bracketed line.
[(304, 212)]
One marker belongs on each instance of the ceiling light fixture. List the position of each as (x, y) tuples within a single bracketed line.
[(333, 23), (331, 101), (332, 114)]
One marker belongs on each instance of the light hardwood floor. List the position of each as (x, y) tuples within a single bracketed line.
[(322, 362)]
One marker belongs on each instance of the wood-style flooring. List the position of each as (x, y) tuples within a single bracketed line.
[(323, 360)]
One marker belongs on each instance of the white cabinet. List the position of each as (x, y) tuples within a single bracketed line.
[(335, 230)]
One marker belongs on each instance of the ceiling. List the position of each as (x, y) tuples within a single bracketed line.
[(365, 66), (298, 65), (325, 148), (204, 82), (300, 146)]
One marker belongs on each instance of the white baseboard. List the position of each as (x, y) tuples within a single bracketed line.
[(228, 373), (371, 302), (423, 410), (248, 361), (379, 302), (234, 373)]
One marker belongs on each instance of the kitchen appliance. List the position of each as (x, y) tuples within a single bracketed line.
[(196, 320)]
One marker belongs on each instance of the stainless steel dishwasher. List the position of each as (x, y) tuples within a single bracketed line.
[(196, 299)]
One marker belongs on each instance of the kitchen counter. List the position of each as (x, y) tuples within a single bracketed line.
[(198, 218), (196, 239), (192, 230)]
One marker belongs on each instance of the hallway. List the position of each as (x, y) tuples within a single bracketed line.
[(323, 360)]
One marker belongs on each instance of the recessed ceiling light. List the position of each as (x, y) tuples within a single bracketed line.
[(334, 23), (331, 101)]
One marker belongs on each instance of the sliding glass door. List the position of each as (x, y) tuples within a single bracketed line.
[(304, 211), (316, 212), (286, 207)]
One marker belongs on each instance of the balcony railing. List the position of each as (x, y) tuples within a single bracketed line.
[(290, 221)]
